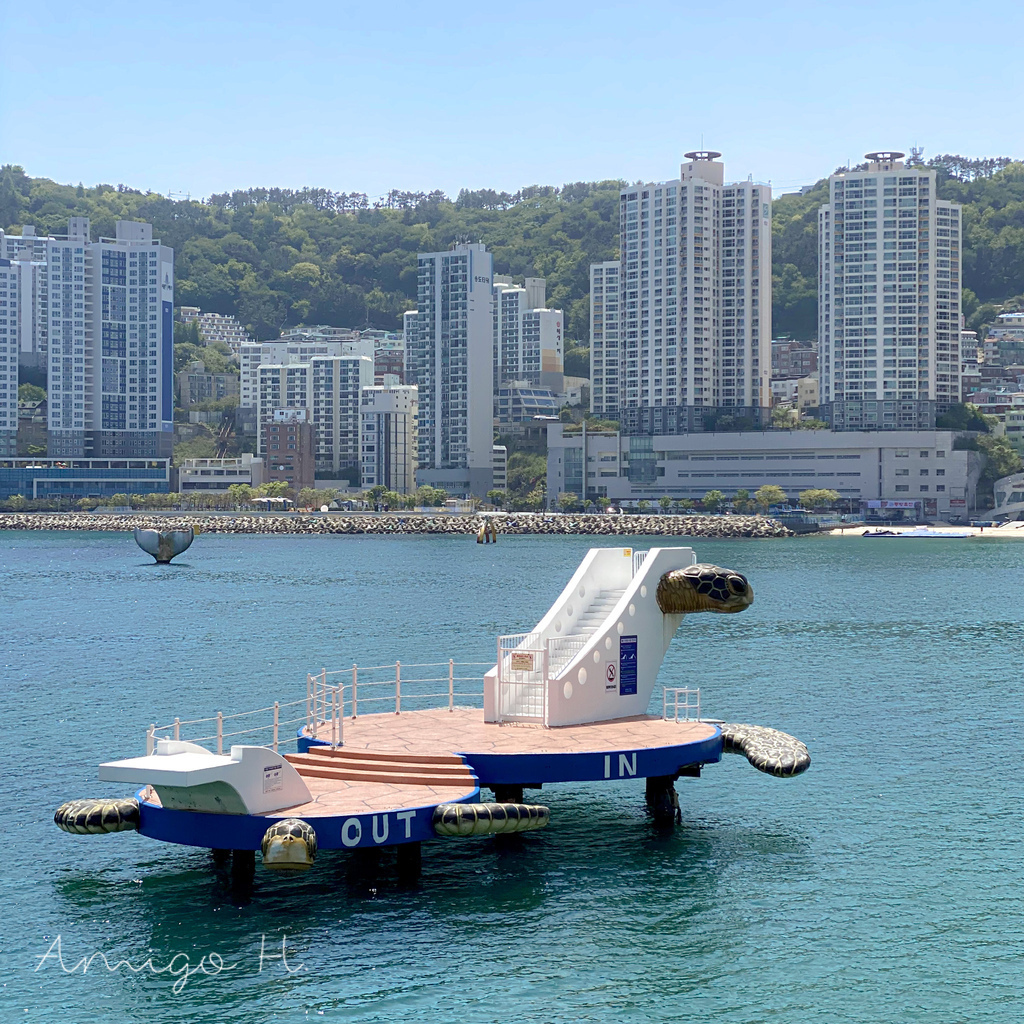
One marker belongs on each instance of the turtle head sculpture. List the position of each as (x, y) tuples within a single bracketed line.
[(704, 588), (289, 845)]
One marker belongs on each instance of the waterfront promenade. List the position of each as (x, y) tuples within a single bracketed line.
[(514, 523)]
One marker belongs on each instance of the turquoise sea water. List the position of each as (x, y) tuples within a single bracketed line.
[(883, 885)]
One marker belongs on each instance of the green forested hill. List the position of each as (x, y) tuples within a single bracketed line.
[(277, 258)]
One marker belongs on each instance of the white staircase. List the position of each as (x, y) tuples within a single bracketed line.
[(598, 610), (595, 654)]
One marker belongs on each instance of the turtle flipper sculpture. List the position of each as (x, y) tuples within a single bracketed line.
[(163, 545), (704, 588), (96, 817), (768, 750)]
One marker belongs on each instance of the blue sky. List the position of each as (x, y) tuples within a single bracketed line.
[(207, 97)]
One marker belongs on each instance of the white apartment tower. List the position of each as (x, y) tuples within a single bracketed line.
[(604, 338), (695, 300), (24, 310), (110, 343), (329, 387), (528, 337), (10, 276), (449, 356), (388, 430), (888, 298), (293, 350)]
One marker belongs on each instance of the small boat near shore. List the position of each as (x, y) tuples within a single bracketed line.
[(918, 532)]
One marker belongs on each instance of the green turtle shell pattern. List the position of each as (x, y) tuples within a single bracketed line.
[(289, 843), (488, 819), (96, 817), (704, 588), (768, 750)]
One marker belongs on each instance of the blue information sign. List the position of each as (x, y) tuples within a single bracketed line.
[(627, 665)]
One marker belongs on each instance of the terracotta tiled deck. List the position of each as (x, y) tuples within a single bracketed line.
[(463, 731)]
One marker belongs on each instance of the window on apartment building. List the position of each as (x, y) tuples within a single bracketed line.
[(902, 487)]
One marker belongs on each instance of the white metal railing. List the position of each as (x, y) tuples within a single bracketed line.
[(399, 686), (263, 733), (561, 651), (681, 699), (638, 560), (331, 697), (523, 675)]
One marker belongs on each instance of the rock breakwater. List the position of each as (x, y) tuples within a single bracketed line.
[(515, 523)]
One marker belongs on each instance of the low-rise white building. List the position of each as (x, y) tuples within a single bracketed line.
[(217, 327), (500, 467), (211, 476), (899, 465)]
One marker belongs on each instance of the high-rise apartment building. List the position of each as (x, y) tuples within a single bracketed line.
[(449, 356), (694, 301), (388, 430), (26, 246), (292, 350), (329, 388), (528, 337), (25, 307), (604, 338), (10, 276), (110, 343), (888, 298)]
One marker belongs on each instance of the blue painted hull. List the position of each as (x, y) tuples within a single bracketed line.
[(245, 831), (537, 769)]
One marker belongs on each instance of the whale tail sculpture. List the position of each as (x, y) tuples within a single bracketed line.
[(163, 545)]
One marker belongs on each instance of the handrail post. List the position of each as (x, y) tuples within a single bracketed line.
[(398, 687), (334, 718), (323, 691), (451, 684), (497, 683), (309, 721), (220, 732), (150, 742), (177, 728), (277, 710), (340, 691), (355, 672), (544, 696)]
